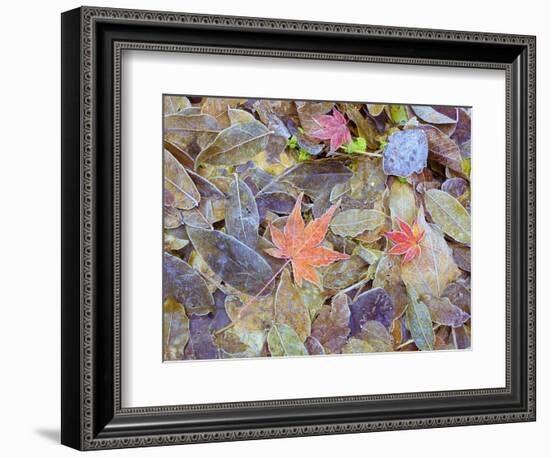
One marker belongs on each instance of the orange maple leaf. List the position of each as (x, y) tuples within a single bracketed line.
[(407, 240), (299, 244)]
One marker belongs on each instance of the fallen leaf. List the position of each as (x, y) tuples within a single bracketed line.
[(176, 330), (369, 255), (442, 149), (355, 345), (461, 337), (218, 107), (433, 116), (406, 153), (240, 343), (366, 127), (442, 311), (237, 116), (377, 336), (278, 202), (186, 286), (201, 343), (182, 156), (235, 262), (402, 202), (420, 323), (255, 318), (308, 113), (313, 177), (344, 273), (407, 240), (313, 346), (183, 130), (353, 222), (462, 256), (375, 304), (206, 188), (235, 145), (289, 308), (447, 212), (178, 184), (331, 327), (333, 128), (369, 180), (303, 140), (283, 341), (299, 244), (241, 213), (397, 113), (312, 297), (388, 276), (456, 187), (459, 295), (434, 268), (375, 109), (174, 103)]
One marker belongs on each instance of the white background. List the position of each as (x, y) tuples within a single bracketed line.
[(30, 245), (147, 76)]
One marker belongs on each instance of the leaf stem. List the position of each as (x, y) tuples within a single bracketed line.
[(264, 287)]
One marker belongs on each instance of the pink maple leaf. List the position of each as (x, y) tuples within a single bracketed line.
[(334, 129)]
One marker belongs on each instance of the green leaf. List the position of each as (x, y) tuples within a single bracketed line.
[(282, 340), (292, 142), (350, 223), (402, 202), (378, 337), (303, 155), (447, 212), (369, 255), (357, 145), (420, 323), (355, 345), (344, 273), (398, 114), (235, 145)]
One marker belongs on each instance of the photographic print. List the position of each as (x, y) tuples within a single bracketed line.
[(298, 228)]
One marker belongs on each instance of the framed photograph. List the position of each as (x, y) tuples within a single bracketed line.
[(276, 228)]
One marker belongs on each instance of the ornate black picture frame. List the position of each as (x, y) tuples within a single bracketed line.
[(92, 42)]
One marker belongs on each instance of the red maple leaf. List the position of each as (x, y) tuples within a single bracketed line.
[(299, 244), (407, 240), (334, 129)]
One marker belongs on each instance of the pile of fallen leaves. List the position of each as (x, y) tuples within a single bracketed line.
[(312, 228)]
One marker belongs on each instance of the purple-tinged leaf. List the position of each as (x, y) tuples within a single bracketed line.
[(375, 304), (406, 153)]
